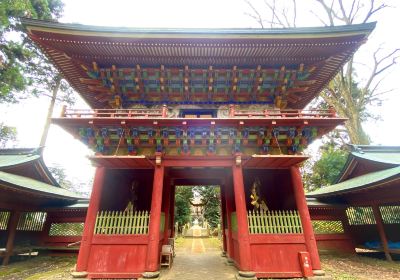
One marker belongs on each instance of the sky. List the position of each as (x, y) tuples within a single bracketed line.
[(63, 150)]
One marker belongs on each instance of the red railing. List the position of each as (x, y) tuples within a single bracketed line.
[(289, 113), (163, 113), (114, 113)]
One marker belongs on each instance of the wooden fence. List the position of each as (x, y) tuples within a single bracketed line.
[(4, 216), (279, 221), (66, 229), (360, 216), (122, 222), (31, 221), (390, 214), (327, 226)]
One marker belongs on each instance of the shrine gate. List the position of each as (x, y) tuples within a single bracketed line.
[(203, 106)]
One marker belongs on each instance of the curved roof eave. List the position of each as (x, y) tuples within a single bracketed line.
[(31, 185), (87, 30), (366, 181)]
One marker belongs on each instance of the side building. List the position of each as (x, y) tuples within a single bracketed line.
[(35, 212)]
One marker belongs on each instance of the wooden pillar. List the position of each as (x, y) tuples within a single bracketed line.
[(11, 231), (302, 207), (90, 222), (46, 229), (166, 209), (241, 214), (229, 208), (381, 231), (155, 218), (223, 216), (172, 211)]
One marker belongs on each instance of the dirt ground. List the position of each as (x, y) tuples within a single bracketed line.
[(340, 267), (358, 267)]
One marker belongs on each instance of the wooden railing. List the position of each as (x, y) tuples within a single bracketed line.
[(122, 222), (163, 113), (288, 113), (269, 222), (112, 113)]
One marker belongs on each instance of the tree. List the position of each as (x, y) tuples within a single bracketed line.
[(327, 169), (23, 67), (17, 53), (59, 174), (8, 135), (210, 196), (350, 95), (183, 195)]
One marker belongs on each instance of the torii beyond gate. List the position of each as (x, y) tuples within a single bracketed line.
[(224, 105)]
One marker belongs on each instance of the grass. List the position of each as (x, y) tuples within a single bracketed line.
[(355, 267), (41, 267)]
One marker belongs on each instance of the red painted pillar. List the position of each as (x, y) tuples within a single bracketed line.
[(229, 207), (11, 231), (223, 218), (241, 214), (166, 209), (90, 222), (308, 231), (381, 231), (172, 211), (155, 218)]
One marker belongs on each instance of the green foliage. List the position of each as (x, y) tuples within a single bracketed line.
[(212, 204), (22, 66), (183, 195), (59, 174), (326, 170), (7, 134)]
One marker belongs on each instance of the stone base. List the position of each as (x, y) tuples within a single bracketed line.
[(229, 261), (246, 275), (325, 277), (79, 274), (150, 275), (318, 272), (223, 254)]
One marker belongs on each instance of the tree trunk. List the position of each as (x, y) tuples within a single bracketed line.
[(50, 112)]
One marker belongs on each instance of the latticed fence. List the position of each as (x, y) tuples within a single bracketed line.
[(234, 223), (4, 216), (390, 214), (360, 216), (327, 227), (31, 221), (162, 222), (267, 222), (122, 222), (66, 229)]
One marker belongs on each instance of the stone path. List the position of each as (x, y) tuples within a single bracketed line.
[(198, 259)]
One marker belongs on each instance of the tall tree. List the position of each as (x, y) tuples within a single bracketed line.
[(24, 70), (348, 94), (210, 197), (183, 195), (8, 134), (326, 170), (17, 53)]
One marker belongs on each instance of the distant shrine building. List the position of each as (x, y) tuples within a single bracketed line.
[(198, 107)]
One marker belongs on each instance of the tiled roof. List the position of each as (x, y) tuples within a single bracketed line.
[(29, 184), (74, 48), (361, 182)]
